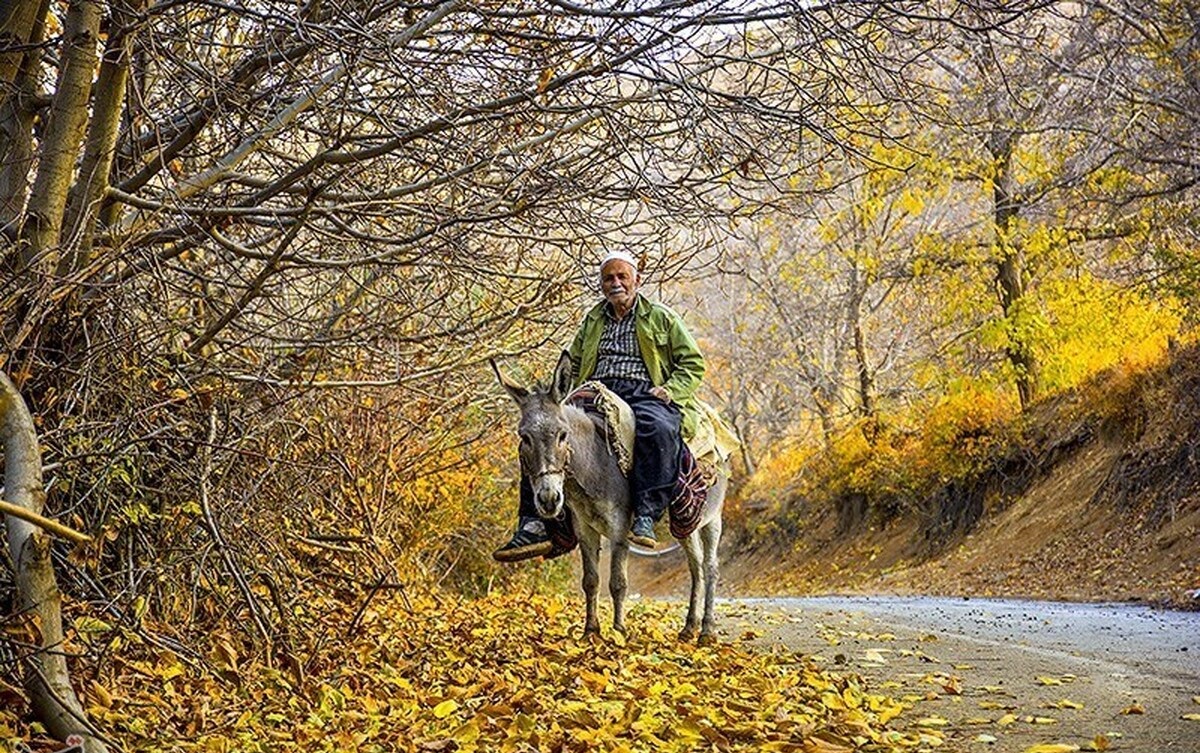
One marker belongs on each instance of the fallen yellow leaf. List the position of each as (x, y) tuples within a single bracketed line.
[(874, 656), (102, 695), (467, 733), (1052, 748), (1192, 717), (852, 697), (817, 745), (594, 681), (1049, 681), (1098, 743), (445, 709), (1065, 703), (890, 712)]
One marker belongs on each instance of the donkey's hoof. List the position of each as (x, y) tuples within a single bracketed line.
[(687, 636), (592, 636), (707, 639)]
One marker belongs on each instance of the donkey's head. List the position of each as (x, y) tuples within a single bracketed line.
[(543, 430)]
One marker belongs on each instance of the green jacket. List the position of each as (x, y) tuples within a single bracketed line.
[(670, 353)]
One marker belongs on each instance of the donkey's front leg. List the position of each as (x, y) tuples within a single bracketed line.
[(618, 580), (589, 547)]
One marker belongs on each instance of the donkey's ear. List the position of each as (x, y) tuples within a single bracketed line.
[(560, 383), (517, 392)]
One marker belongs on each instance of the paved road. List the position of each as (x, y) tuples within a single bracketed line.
[(1005, 675)]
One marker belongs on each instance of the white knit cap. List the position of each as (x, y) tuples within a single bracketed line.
[(624, 256)]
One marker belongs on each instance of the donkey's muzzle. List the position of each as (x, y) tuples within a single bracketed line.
[(548, 502)]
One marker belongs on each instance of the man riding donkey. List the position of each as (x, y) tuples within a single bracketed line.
[(642, 351)]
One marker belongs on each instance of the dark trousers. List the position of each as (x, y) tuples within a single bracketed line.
[(656, 450)]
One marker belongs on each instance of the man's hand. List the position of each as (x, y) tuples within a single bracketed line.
[(662, 394)]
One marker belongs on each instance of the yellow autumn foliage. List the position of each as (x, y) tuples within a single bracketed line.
[(940, 440), (1088, 328), (1096, 325)]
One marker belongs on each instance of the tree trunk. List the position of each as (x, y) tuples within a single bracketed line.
[(823, 403), (46, 677), (64, 133), (1010, 269), (743, 435), (866, 387), (101, 140), (866, 382), (16, 147), (17, 111), (17, 21)]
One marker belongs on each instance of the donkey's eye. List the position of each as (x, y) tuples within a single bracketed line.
[(524, 439), (562, 437)]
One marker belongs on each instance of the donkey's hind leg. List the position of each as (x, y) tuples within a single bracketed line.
[(692, 547), (710, 535), (589, 547)]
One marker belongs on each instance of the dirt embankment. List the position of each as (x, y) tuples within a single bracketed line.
[(1100, 501)]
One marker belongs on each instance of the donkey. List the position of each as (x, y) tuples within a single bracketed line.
[(567, 461)]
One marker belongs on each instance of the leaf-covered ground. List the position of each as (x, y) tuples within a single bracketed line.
[(505, 673)]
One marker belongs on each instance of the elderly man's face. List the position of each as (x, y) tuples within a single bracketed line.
[(619, 281)]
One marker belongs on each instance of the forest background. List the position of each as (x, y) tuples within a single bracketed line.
[(256, 256)]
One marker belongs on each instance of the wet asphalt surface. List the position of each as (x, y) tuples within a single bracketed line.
[(1004, 675)]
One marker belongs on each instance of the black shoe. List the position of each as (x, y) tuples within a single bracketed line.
[(558, 551), (526, 543), (642, 532)]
